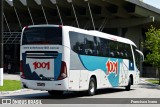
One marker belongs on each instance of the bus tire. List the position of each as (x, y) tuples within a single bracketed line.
[(92, 87), (55, 93), (128, 87)]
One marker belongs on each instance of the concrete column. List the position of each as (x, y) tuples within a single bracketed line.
[(120, 32), (135, 34)]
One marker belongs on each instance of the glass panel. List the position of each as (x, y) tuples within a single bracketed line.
[(42, 35)]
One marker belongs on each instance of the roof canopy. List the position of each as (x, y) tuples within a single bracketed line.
[(85, 14)]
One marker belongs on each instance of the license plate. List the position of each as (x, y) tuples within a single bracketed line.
[(40, 84)]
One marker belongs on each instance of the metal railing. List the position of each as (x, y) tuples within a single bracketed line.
[(11, 37)]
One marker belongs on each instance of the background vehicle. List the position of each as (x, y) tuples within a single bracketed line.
[(62, 58)]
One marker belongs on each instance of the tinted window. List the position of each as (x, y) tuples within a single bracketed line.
[(104, 49), (129, 52), (137, 57), (121, 50), (83, 44), (42, 35), (77, 42), (89, 45)]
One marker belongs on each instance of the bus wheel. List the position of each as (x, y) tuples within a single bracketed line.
[(92, 87), (128, 87), (55, 93)]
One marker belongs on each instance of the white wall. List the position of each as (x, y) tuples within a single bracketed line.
[(135, 34)]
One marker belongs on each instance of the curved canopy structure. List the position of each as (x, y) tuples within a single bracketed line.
[(78, 13)]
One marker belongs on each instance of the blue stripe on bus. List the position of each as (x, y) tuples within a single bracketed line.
[(57, 66), (92, 63)]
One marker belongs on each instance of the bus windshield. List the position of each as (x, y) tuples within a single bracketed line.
[(42, 35)]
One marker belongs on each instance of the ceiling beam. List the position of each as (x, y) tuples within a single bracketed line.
[(122, 13), (122, 23), (9, 2)]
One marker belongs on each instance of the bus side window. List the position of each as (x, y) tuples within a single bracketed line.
[(137, 57), (73, 41), (90, 48), (99, 47), (107, 48), (96, 46), (103, 47), (116, 51), (113, 52), (125, 54), (81, 44), (121, 49), (129, 52), (81, 49), (76, 47), (77, 42)]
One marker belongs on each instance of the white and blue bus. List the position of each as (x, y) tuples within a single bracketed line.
[(59, 58)]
